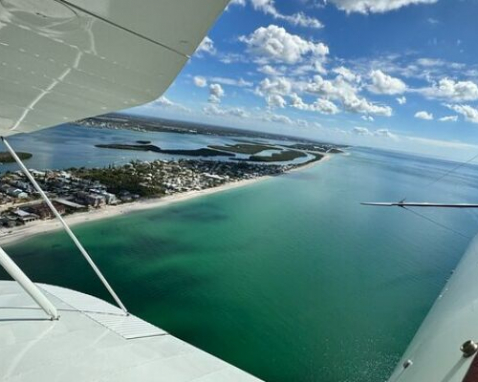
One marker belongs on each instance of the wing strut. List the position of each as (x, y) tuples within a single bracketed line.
[(17, 274), (426, 205), (65, 226)]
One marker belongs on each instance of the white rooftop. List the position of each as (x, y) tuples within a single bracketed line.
[(94, 341)]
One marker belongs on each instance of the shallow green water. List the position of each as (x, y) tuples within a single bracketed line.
[(290, 279)]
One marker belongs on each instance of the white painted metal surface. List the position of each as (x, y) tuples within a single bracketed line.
[(453, 319), (79, 347), (107, 315), (61, 64), (178, 24)]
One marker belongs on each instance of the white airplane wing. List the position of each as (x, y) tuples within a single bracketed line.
[(436, 352), (94, 341), (66, 60)]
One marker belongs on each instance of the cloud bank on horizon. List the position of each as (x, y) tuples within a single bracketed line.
[(397, 74)]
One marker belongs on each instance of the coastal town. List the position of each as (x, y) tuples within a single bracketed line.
[(81, 190)]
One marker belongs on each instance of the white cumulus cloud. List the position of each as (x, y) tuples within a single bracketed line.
[(274, 90), (269, 70), (469, 112), (456, 91), (165, 102), (278, 85), (341, 90), (206, 46), (361, 131), (380, 133), (323, 106), (384, 84), (269, 8), (355, 104), (236, 2), (216, 92), (375, 6), (274, 43), (338, 88), (347, 74), (424, 115), (402, 100), (215, 110), (449, 118), (276, 100), (277, 118), (200, 82), (232, 82)]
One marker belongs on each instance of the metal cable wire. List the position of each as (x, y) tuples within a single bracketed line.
[(451, 171), (437, 223), (441, 177)]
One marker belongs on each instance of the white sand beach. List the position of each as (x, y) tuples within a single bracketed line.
[(10, 235)]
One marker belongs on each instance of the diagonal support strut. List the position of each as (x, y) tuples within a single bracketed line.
[(65, 226), (21, 278)]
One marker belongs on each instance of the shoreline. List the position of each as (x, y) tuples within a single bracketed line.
[(9, 236)]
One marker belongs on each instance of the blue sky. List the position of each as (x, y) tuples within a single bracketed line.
[(397, 74)]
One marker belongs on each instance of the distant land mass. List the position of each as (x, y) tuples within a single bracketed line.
[(7, 158), (244, 148), (253, 149), (143, 123), (204, 152)]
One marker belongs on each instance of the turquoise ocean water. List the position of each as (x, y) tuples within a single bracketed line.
[(290, 278)]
